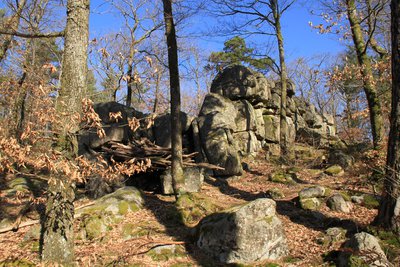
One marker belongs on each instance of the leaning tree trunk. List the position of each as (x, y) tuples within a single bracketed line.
[(364, 62), (389, 211), (58, 242), (176, 125)]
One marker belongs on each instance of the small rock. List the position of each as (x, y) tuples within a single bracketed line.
[(282, 177), (315, 191), (335, 170), (338, 203), (332, 235), (275, 193), (357, 199), (312, 203)]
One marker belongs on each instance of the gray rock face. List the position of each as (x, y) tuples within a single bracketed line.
[(367, 249), (338, 203), (243, 234), (238, 82), (194, 178), (216, 125), (162, 128)]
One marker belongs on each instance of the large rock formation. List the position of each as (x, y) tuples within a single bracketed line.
[(238, 118), (241, 116)]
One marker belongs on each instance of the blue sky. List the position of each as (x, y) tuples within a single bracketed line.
[(300, 39)]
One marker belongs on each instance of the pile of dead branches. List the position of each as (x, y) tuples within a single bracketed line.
[(143, 149)]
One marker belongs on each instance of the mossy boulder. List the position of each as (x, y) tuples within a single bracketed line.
[(107, 210), (275, 193), (283, 177), (363, 249), (332, 235), (334, 170), (124, 200), (311, 198), (312, 203), (244, 234), (314, 191)]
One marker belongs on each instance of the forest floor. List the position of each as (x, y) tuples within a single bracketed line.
[(157, 227)]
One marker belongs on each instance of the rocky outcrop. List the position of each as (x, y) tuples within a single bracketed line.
[(241, 116), (243, 234), (238, 118)]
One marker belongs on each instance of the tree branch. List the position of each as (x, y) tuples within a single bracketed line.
[(32, 35)]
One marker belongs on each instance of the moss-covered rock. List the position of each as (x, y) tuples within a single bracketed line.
[(310, 203), (370, 201), (314, 191), (283, 177), (275, 193), (98, 218), (332, 235), (192, 207), (334, 170)]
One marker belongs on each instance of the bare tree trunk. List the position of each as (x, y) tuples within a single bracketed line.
[(176, 125), (131, 80), (13, 24), (283, 76), (389, 214), (364, 62), (58, 242), (157, 92)]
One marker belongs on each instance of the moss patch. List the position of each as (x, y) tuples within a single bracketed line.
[(192, 207), (370, 202), (283, 177)]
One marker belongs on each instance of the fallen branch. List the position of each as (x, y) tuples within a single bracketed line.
[(157, 244)]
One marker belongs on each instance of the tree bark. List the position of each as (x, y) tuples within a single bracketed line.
[(364, 62), (176, 125), (389, 213), (57, 239), (283, 76)]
